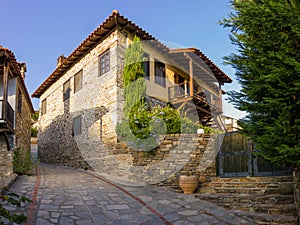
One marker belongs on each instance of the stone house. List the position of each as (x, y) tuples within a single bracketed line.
[(230, 123), (81, 102), (15, 109)]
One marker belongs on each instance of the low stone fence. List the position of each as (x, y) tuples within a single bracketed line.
[(296, 176), (6, 167), (201, 162), (190, 154)]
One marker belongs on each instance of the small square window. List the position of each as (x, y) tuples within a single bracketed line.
[(76, 126), (67, 90), (78, 81), (104, 63), (44, 107)]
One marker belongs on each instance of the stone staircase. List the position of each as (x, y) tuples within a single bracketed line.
[(265, 200)]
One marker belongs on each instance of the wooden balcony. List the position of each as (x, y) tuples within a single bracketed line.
[(204, 100), (7, 117)]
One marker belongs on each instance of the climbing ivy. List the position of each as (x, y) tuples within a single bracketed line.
[(134, 82)]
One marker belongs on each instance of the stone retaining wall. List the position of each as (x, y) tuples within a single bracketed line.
[(296, 176), (181, 154), (6, 169), (202, 160)]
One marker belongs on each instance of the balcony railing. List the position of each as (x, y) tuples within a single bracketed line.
[(9, 118), (181, 92), (213, 100)]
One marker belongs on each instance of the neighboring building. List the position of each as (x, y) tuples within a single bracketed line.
[(15, 109), (83, 97), (231, 124)]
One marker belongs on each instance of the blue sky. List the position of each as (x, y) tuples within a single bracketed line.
[(39, 31)]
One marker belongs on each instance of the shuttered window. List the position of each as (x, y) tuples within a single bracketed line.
[(104, 63), (78, 81), (67, 90)]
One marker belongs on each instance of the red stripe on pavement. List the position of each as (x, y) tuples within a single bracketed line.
[(32, 207), (134, 197)]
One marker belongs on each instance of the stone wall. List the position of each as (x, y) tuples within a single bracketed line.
[(23, 125), (177, 154), (20, 138), (296, 177), (201, 161), (99, 103), (6, 169)]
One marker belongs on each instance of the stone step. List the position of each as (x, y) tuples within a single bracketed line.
[(272, 179), (255, 191), (286, 185), (283, 209), (247, 188), (270, 204), (247, 198), (266, 219)]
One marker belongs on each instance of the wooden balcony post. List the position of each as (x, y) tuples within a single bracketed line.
[(5, 84), (220, 96), (191, 78), (185, 89)]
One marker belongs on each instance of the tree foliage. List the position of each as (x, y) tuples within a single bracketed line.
[(35, 116), (134, 82), (267, 64), (23, 161)]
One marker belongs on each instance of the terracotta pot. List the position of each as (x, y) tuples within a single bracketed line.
[(188, 183)]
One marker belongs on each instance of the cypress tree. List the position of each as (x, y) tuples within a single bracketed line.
[(267, 64)]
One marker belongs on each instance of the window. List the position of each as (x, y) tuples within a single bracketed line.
[(160, 74), (146, 65), (44, 106), (76, 126), (104, 64), (67, 90), (78, 81), (20, 97)]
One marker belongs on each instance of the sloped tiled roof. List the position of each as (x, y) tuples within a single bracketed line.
[(113, 21), (181, 53), (9, 56)]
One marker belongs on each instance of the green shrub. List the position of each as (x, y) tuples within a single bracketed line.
[(144, 125), (22, 161), (170, 117), (188, 126), (209, 130), (34, 131), (15, 200), (35, 116)]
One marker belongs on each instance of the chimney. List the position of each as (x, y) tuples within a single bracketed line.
[(60, 60), (23, 70)]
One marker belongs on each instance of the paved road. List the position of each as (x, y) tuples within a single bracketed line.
[(63, 195)]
